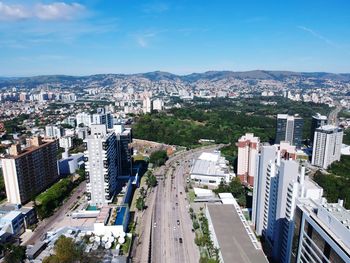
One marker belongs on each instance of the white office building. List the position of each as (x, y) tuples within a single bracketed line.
[(158, 104), (322, 232), (103, 118), (278, 183), (101, 165), (53, 131), (327, 146), (84, 118)]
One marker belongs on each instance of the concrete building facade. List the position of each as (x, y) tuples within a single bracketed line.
[(248, 149), (279, 181), (289, 129), (101, 165), (322, 232), (327, 146), (30, 171), (318, 120)]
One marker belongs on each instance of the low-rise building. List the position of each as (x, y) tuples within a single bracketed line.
[(211, 169)]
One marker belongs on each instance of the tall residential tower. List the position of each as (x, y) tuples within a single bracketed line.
[(327, 146), (30, 171), (248, 149)]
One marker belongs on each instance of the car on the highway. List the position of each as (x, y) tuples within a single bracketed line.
[(180, 240), (178, 222)]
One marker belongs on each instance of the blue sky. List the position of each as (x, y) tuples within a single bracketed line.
[(179, 36)]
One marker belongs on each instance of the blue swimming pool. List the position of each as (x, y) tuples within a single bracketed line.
[(120, 216)]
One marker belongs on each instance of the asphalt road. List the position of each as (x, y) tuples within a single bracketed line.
[(171, 220), (333, 115), (47, 224)]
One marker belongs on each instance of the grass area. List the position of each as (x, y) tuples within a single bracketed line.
[(126, 246), (48, 201), (191, 196)]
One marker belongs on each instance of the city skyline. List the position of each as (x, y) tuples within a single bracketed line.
[(91, 37)]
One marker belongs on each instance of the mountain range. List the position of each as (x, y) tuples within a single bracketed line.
[(166, 76)]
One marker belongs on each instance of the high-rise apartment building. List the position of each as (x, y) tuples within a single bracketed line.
[(318, 120), (30, 171), (289, 129), (103, 118), (53, 131), (124, 151), (84, 118), (322, 232), (279, 181), (101, 165), (248, 149), (147, 105), (158, 104), (327, 145)]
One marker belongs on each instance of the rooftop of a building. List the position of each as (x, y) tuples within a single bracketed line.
[(212, 157), (10, 216), (249, 137), (333, 218), (210, 164), (235, 244), (339, 212), (16, 152), (329, 128), (320, 117), (286, 116), (7, 207)]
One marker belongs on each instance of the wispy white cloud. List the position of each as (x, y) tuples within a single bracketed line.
[(58, 11), (319, 36), (53, 11), (13, 12), (145, 38)]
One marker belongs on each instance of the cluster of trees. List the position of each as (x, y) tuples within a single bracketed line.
[(13, 125), (67, 251), (13, 253), (235, 188), (48, 201), (140, 201), (204, 240), (158, 158), (336, 184), (222, 120), (151, 181)]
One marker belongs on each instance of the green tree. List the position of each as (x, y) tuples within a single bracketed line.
[(151, 180), (66, 251), (158, 158), (14, 254), (140, 203)]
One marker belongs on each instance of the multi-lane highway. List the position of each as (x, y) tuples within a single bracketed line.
[(172, 239)]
